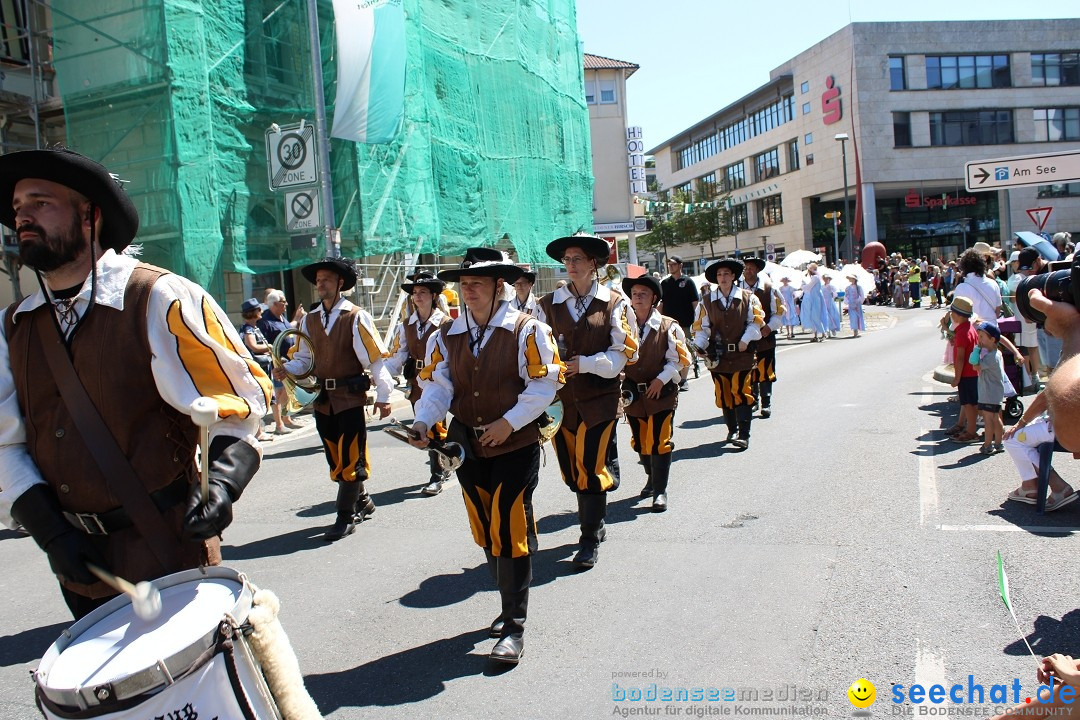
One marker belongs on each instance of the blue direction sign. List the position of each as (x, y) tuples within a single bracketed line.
[(1046, 169)]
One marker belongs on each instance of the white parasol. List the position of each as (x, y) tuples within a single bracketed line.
[(800, 259), (863, 277), (776, 273)]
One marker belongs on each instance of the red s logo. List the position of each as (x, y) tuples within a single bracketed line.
[(831, 107)]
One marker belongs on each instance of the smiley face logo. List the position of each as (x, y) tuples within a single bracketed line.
[(862, 693)]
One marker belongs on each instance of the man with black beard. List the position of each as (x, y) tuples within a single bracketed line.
[(109, 356)]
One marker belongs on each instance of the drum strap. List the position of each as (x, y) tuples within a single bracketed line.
[(119, 475)]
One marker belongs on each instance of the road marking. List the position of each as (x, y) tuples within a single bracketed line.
[(1034, 529), (929, 666)]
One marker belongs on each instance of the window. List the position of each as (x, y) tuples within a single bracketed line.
[(1060, 190), (808, 139), (1057, 124), (735, 176), (952, 72), (758, 122), (590, 92), (897, 77), (1054, 69), (706, 185), (698, 151), (766, 165), (607, 91), (684, 191), (793, 155), (806, 108), (809, 159), (770, 211), (740, 218), (901, 129), (804, 88), (13, 41), (971, 127)]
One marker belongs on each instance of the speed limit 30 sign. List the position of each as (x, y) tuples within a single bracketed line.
[(291, 156)]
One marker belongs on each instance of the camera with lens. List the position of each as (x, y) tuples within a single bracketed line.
[(1059, 282)]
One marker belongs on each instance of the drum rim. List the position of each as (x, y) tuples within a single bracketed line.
[(155, 676)]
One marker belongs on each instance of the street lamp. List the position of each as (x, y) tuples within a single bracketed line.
[(843, 138), (835, 217)]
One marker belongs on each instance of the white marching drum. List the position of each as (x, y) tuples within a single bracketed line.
[(192, 661)]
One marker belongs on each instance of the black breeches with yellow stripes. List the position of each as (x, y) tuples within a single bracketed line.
[(498, 498), (651, 435), (765, 370), (734, 389), (344, 437), (582, 453)]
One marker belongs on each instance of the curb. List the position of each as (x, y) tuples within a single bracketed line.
[(944, 374)]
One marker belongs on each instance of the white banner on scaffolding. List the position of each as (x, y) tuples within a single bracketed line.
[(370, 100)]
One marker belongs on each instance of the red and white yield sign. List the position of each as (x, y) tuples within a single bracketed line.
[(1039, 216)]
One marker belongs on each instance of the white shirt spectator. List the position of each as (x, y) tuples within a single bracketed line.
[(983, 293)]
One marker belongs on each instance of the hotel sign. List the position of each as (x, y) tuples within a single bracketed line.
[(635, 160)]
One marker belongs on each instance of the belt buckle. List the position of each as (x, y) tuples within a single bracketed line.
[(642, 388), (91, 523), (419, 364), (330, 383), (732, 347)]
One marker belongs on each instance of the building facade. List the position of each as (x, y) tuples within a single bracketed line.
[(906, 105)]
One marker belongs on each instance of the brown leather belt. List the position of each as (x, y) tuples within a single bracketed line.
[(117, 519)]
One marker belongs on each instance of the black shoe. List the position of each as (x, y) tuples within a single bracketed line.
[(766, 412), (587, 556), (741, 443), (684, 386), (509, 649), (432, 488), (732, 434), (364, 509), (344, 525), (646, 491), (496, 627), (659, 503)]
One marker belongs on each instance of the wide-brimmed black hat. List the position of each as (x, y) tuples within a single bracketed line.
[(119, 218), (730, 263), (424, 279), (757, 262), (342, 266), (595, 247), (529, 275), (483, 262), (646, 279)]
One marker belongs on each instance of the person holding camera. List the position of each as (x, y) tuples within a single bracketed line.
[(344, 345)]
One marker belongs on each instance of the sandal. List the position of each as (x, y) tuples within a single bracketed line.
[(954, 430), (1055, 502), (964, 437), (986, 450), (1028, 497)]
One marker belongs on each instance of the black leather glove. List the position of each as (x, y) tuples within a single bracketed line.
[(232, 465), (69, 549)]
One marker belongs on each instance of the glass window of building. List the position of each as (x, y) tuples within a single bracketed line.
[(698, 151), (952, 72), (901, 128), (1055, 69), (793, 155), (897, 78), (607, 91), (683, 192), (770, 211), (766, 165), (706, 186), (1060, 190), (804, 88), (971, 127), (740, 218), (806, 108), (808, 139), (1057, 124), (735, 176), (590, 92)]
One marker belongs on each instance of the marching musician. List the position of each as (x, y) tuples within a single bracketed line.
[(653, 382), (409, 350), (596, 328), (497, 370), (729, 319), (73, 221), (344, 347), (524, 300), (773, 307)]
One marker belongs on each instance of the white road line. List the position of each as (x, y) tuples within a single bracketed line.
[(1035, 529), (929, 666)]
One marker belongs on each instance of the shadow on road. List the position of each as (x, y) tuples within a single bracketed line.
[(703, 422), (1025, 516), (701, 452), (11, 535), (323, 508), (406, 677), (287, 544), (1051, 636), (294, 453), (28, 645)]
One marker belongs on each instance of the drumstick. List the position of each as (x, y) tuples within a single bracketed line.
[(204, 413), (145, 598)]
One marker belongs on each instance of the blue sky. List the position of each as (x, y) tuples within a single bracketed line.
[(697, 56)]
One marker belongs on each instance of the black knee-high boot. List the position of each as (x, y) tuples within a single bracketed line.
[(493, 567), (647, 464), (347, 495), (591, 512), (744, 413), (661, 469), (766, 399), (732, 423), (515, 574)]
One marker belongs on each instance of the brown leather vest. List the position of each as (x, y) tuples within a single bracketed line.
[(416, 345), (486, 387), (765, 297), (335, 358), (111, 355), (652, 356), (727, 327), (589, 397)]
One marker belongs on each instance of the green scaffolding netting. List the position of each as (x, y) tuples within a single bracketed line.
[(175, 96)]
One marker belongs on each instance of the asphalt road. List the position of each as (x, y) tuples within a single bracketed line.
[(851, 540)]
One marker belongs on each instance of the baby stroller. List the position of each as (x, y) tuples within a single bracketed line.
[(1014, 407)]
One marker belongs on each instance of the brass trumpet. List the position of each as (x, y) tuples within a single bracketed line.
[(551, 420), (302, 388), (449, 455)]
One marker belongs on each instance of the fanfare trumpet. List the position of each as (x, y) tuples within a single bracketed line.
[(302, 388), (449, 455)]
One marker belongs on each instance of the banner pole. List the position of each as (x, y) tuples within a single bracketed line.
[(322, 140)]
